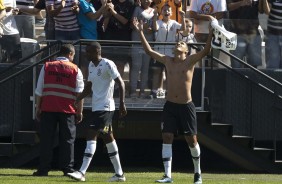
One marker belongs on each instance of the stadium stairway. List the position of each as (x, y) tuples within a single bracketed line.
[(241, 150), (143, 123), (23, 149)]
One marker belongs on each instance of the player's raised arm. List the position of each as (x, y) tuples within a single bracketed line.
[(148, 49), (193, 59)]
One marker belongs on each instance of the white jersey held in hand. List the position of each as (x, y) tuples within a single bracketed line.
[(223, 39)]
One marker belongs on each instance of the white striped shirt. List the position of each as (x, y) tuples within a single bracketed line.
[(66, 20), (275, 18)]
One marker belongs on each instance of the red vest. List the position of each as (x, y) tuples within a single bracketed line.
[(59, 87)]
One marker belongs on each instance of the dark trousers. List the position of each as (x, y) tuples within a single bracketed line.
[(11, 44), (48, 132)]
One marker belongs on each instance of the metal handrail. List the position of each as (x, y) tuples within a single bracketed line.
[(194, 45), (248, 66), (27, 68), (246, 77), (28, 57)]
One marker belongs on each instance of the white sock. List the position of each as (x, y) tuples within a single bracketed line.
[(195, 152), (88, 154), (114, 157), (167, 158)]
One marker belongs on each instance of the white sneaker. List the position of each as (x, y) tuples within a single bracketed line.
[(77, 175), (117, 178), (160, 93), (165, 179)]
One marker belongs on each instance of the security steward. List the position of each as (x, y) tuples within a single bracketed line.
[(59, 83)]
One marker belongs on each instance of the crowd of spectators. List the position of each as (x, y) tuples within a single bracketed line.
[(111, 20)]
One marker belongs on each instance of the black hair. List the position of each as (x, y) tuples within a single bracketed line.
[(165, 5), (66, 49), (95, 45)]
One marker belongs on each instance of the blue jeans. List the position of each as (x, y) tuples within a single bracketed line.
[(26, 26), (249, 46), (273, 49), (140, 62), (67, 35)]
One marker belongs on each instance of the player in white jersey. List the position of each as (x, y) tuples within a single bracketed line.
[(102, 75)]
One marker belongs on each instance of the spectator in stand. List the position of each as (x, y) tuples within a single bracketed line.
[(2, 11), (87, 18), (137, 2), (176, 6), (2, 15), (65, 16), (140, 60), (245, 22), (116, 26), (25, 22), (166, 30), (187, 35), (273, 42), (204, 11), (49, 26), (39, 19), (157, 69), (10, 40), (100, 31)]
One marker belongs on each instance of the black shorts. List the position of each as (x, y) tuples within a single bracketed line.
[(179, 119), (101, 121)]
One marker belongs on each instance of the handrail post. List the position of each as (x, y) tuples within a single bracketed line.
[(14, 123), (203, 85), (32, 98)]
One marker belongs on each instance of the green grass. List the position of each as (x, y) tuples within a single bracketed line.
[(23, 176)]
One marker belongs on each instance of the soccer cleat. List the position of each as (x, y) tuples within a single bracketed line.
[(77, 175), (68, 170), (197, 178), (117, 178), (165, 179)]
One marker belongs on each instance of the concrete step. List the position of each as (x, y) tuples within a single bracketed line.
[(265, 152), (245, 141), (9, 149), (226, 129)]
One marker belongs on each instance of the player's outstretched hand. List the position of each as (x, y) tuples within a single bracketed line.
[(138, 25)]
